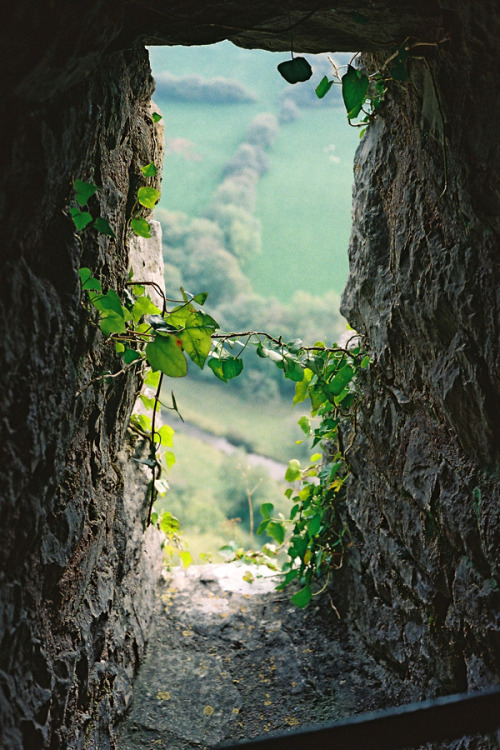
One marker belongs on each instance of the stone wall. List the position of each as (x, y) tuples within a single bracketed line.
[(78, 565), (421, 586), (423, 579)]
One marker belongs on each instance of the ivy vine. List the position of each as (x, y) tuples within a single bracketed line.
[(158, 342)]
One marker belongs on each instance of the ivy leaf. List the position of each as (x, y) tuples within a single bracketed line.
[(294, 346), (302, 598), (166, 435), (84, 191), (169, 458), (149, 170), (354, 88), (263, 526), (227, 368), (305, 425), (109, 301), (276, 530), (131, 355), (288, 579), (293, 370), (296, 70), (165, 354), (80, 218), (197, 341), (148, 197), (156, 117), (341, 379), (112, 323), (293, 471), (144, 306), (323, 87), (200, 298), (140, 227), (185, 558), (180, 315), (169, 524), (88, 281), (314, 525), (103, 227), (152, 380), (266, 510)]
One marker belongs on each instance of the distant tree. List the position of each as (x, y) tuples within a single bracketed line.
[(263, 130), (193, 88)]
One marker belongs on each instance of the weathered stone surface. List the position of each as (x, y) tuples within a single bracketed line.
[(423, 589), (233, 660), (78, 568)]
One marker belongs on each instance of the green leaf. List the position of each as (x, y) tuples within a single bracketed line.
[(294, 346), (314, 525), (226, 369), (293, 370), (180, 315), (276, 530), (152, 380), (296, 70), (144, 306), (323, 87), (156, 117), (302, 598), (290, 576), (169, 458), (166, 435), (84, 191), (200, 298), (131, 356), (169, 524), (108, 301), (197, 340), (354, 88), (88, 281), (140, 227), (149, 170), (305, 425), (365, 362), (148, 197), (112, 323), (341, 379), (293, 471), (298, 548), (264, 352), (165, 354), (103, 227), (263, 526), (266, 510), (81, 219), (185, 558)]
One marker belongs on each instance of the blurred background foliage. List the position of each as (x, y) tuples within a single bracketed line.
[(255, 210)]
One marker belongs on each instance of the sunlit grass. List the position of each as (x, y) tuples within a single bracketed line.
[(265, 427)]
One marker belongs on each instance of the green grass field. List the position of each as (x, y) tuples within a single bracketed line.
[(304, 204), (304, 200), (268, 428)]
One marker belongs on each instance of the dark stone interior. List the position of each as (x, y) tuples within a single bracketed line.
[(420, 590)]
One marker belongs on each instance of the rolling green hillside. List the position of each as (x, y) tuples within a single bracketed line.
[(304, 199)]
